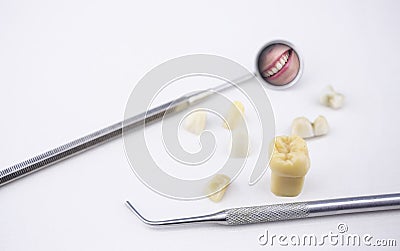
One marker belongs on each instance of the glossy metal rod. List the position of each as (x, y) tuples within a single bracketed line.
[(287, 211), (219, 217), (97, 138)]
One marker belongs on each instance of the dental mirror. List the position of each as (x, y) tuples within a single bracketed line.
[(279, 64)]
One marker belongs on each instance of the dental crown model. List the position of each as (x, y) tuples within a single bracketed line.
[(331, 98), (289, 164), (217, 182), (240, 142), (234, 115), (195, 122), (302, 127)]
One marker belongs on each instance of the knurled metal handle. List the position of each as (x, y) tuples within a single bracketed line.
[(268, 213)]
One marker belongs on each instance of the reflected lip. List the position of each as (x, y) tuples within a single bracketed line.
[(273, 64)]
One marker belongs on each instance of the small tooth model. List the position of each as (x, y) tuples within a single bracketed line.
[(320, 126), (217, 182), (331, 98), (304, 128), (195, 122), (289, 165), (234, 115), (240, 142)]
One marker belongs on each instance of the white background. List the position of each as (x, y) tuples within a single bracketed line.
[(67, 68)]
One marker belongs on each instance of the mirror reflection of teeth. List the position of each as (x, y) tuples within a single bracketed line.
[(234, 116), (289, 164), (303, 128), (331, 98), (278, 65), (195, 122), (216, 183)]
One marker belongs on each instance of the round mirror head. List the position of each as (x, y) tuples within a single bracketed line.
[(279, 64)]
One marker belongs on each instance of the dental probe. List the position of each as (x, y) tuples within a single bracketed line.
[(287, 211), (111, 132)]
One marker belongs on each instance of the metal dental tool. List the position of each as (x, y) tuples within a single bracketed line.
[(268, 57), (106, 134), (287, 211)]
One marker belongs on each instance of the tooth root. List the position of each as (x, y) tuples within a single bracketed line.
[(240, 142), (195, 122), (331, 98), (320, 126), (302, 127), (234, 116), (289, 164), (217, 187), (286, 186)]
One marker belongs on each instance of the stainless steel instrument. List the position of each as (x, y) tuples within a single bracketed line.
[(97, 138), (287, 211)]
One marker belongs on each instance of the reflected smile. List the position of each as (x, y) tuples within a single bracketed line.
[(278, 66)]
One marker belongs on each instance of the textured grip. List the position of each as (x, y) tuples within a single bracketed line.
[(259, 214)]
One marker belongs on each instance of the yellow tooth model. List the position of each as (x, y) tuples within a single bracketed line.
[(217, 182), (289, 165), (195, 122), (234, 116)]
